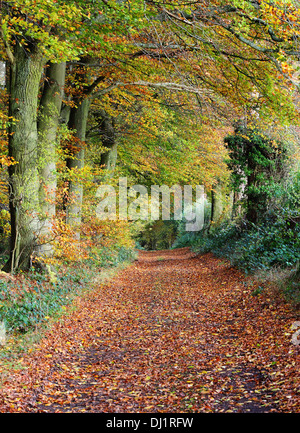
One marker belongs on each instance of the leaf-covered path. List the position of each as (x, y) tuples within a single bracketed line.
[(171, 333)]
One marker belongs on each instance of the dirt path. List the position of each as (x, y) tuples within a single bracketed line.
[(171, 333)]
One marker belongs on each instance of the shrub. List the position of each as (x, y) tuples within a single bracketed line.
[(262, 246)]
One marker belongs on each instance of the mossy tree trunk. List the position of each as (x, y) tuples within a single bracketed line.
[(78, 123), (49, 116), (25, 76)]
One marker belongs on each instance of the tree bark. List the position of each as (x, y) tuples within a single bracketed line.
[(50, 108), (213, 209), (78, 123), (25, 76), (107, 133), (251, 214)]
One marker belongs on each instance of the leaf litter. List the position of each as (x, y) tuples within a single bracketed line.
[(173, 332)]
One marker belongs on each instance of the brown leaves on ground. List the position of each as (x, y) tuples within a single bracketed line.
[(174, 332)]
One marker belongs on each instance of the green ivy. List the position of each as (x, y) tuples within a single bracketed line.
[(257, 163)]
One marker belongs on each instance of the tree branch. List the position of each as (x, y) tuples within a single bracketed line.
[(165, 85), (88, 90), (8, 50)]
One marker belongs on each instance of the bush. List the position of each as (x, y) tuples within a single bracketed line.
[(272, 243)]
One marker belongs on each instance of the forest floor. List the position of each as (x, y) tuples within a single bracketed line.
[(173, 332)]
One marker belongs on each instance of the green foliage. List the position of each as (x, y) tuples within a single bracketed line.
[(107, 257), (158, 235), (27, 302), (4, 229), (261, 247), (186, 238), (258, 165), (291, 285), (272, 243)]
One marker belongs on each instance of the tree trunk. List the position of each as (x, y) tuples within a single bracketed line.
[(50, 107), (77, 122), (25, 75), (217, 204), (213, 208), (107, 133), (251, 214)]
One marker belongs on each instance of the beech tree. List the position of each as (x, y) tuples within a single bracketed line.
[(48, 122), (65, 55), (34, 37), (28, 43)]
